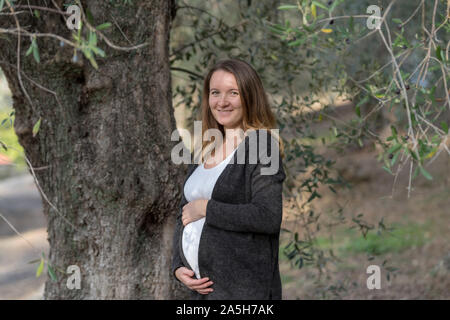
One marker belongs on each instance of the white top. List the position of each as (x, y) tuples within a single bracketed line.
[(200, 185)]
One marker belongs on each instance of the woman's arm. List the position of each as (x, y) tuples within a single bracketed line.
[(262, 215), (176, 258)]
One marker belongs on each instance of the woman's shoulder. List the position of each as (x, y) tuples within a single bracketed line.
[(262, 142), (262, 150)]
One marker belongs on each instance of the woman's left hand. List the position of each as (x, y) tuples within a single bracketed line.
[(194, 211)]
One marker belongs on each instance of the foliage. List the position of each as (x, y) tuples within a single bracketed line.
[(299, 50), (9, 144)]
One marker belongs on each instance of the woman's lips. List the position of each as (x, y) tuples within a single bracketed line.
[(224, 111)]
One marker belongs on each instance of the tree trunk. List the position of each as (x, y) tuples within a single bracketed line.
[(105, 141)]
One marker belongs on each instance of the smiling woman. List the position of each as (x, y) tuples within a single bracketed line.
[(224, 100), (228, 225)]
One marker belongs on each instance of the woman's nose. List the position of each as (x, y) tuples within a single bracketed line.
[(222, 100)]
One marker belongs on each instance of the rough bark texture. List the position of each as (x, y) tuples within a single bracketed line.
[(107, 147)]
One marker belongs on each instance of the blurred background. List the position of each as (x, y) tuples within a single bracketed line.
[(350, 200)]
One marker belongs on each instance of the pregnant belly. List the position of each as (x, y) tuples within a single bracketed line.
[(190, 242)]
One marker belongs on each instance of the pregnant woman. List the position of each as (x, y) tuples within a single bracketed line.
[(227, 229)]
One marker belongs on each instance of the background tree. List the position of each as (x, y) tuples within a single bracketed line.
[(99, 100)]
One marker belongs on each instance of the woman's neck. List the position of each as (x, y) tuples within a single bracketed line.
[(233, 137)]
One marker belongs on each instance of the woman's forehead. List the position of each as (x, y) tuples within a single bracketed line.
[(223, 80)]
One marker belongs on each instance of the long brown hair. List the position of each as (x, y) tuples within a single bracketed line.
[(257, 113)]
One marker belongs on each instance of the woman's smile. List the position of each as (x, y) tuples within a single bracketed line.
[(225, 100), (225, 112)]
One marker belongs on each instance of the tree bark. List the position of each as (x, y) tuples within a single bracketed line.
[(106, 142)]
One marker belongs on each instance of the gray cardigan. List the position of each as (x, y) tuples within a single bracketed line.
[(238, 247)]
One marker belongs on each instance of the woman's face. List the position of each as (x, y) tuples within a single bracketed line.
[(225, 100)]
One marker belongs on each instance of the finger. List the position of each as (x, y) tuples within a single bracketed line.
[(186, 278), (197, 282), (203, 286), (205, 291), (190, 273)]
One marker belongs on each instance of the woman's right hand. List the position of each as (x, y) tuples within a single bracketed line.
[(186, 276)]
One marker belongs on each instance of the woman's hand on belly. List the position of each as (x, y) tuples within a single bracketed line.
[(194, 211), (185, 275)]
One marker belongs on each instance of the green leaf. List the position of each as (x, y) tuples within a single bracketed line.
[(335, 3), (278, 27), (358, 111), (360, 142), (2, 2), (98, 51), (36, 127), (394, 159), (87, 52), (320, 5), (413, 154), (444, 127), (30, 49), (51, 272), (4, 146), (431, 153), (438, 53), (314, 10), (37, 14), (309, 29), (296, 42), (93, 62), (394, 148), (92, 39), (394, 132), (104, 26), (397, 20), (363, 100), (387, 169), (287, 7), (425, 173), (274, 30), (34, 261), (359, 104), (36, 53), (40, 268), (350, 24), (416, 172)]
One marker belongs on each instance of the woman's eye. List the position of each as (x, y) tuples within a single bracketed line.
[(234, 92)]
